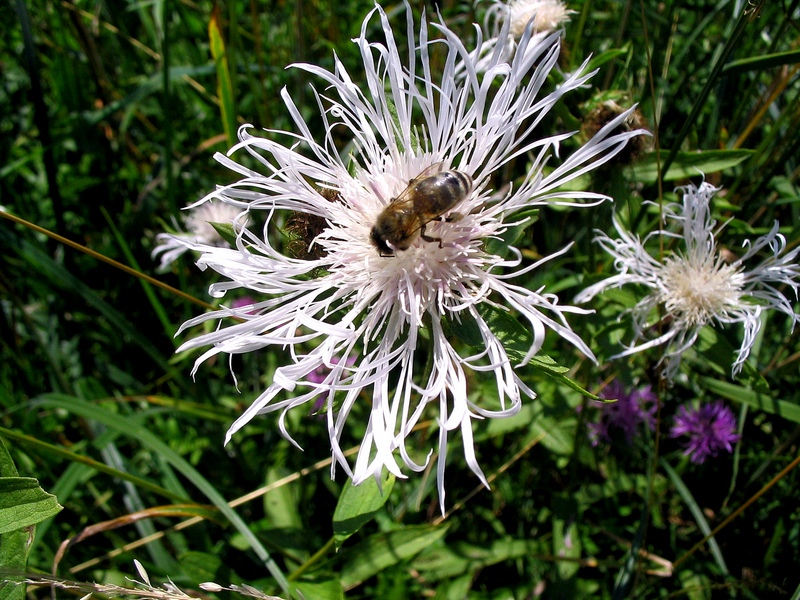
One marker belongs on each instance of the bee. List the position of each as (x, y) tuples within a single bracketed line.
[(427, 197)]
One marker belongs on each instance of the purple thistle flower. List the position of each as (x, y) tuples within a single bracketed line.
[(630, 409), (710, 428)]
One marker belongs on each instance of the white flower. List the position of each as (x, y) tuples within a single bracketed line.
[(198, 230), (506, 22), (370, 318), (695, 287)]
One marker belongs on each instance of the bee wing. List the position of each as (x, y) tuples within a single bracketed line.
[(405, 196)]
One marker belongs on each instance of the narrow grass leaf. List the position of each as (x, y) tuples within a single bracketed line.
[(688, 164), (762, 63), (697, 513), (224, 83), (758, 400)]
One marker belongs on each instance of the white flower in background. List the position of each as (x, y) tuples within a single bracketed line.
[(376, 320), (506, 22), (693, 287), (198, 230)]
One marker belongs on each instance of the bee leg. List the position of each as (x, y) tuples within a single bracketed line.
[(428, 238), (454, 217)]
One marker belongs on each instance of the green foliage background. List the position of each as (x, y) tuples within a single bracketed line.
[(109, 115)]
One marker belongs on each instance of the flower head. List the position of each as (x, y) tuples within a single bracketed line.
[(199, 230), (710, 429), (366, 319), (506, 23), (626, 414), (693, 286)]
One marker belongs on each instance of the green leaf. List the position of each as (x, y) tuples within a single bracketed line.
[(688, 164), (24, 503), (697, 513), (386, 549), (516, 340), (566, 544), (148, 440), (460, 558), (200, 566), (607, 56), (7, 467), (357, 506), (14, 548), (281, 504), (224, 82), (329, 589), (762, 63), (226, 232), (761, 401)]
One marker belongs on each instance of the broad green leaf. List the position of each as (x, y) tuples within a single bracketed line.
[(200, 566), (516, 339), (689, 164), (558, 436), (566, 545), (24, 503), (718, 352), (358, 504), (386, 549), (280, 504), (17, 522), (456, 559), (14, 548), (329, 589), (758, 400)]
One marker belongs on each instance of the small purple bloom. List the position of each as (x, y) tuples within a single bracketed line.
[(710, 428), (630, 409)]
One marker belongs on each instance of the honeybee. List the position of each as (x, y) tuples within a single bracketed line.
[(427, 197)]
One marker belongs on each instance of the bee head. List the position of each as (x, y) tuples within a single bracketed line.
[(378, 239)]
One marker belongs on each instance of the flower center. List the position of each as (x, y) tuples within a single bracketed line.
[(698, 290)]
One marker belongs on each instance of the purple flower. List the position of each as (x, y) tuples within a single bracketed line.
[(710, 428), (630, 409)]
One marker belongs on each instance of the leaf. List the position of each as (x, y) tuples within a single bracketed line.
[(280, 504), (566, 544), (357, 506), (688, 164), (224, 83), (386, 549), (24, 503), (516, 340), (761, 63), (697, 513), (148, 440), (226, 232), (758, 400), (457, 559), (329, 589)]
